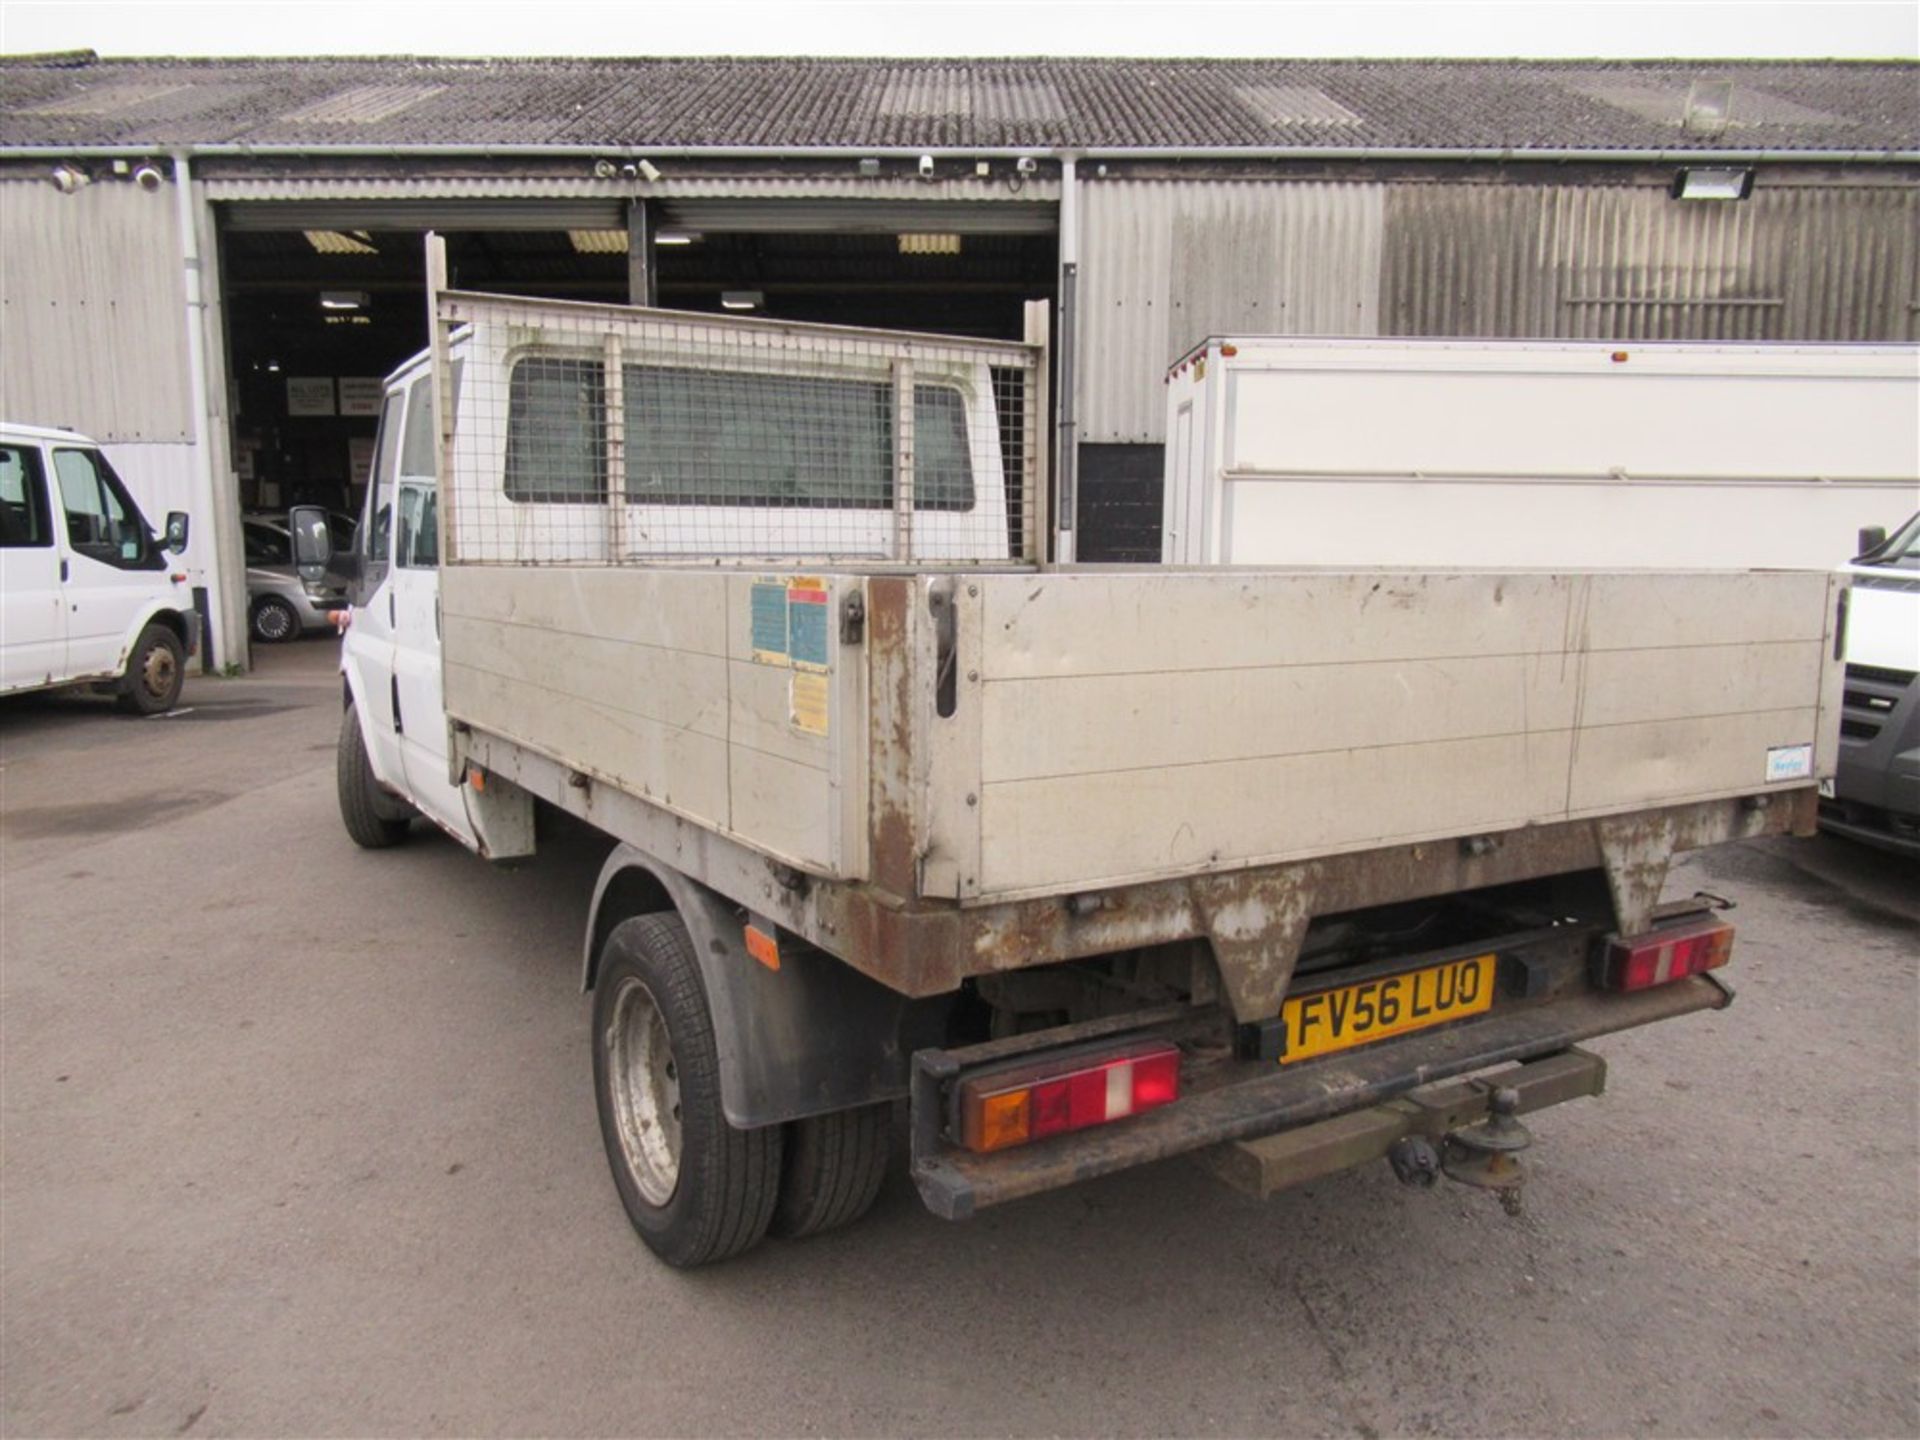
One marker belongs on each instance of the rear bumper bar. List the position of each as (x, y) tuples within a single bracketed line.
[(955, 1183)]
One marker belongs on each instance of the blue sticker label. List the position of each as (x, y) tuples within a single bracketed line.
[(770, 622)]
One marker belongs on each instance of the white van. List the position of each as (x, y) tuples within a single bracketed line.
[(90, 595)]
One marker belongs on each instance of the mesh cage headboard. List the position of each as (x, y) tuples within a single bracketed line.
[(604, 434)]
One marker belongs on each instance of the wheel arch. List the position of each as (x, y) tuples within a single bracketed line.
[(812, 1037)]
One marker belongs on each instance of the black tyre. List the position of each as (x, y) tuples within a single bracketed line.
[(833, 1168), (156, 670), (696, 1189), (374, 819), (274, 621)]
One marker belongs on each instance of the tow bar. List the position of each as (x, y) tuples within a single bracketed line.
[(1487, 1155)]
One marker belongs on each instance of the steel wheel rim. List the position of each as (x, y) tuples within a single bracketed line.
[(644, 1082), (274, 621), (157, 672)]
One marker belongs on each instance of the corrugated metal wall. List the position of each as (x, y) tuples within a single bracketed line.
[(92, 328), (1165, 263)]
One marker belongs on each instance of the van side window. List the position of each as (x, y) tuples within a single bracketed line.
[(24, 522), (416, 454), (419, 540), (103, 523), (377, 528)]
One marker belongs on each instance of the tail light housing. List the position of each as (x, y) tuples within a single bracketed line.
[(1010, 1107), (1662, 956)]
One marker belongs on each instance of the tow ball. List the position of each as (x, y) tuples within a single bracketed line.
[(1487, 1155)]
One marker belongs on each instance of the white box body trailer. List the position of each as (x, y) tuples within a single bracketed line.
[(1561, 455), (1098, 866)]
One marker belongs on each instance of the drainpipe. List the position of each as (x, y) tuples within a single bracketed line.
[(206, 530), (1066, 464)]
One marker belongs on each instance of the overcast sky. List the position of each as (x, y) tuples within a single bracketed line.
[(1539, 28)]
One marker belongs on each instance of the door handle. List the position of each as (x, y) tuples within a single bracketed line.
[(63, 569), (398, 728)]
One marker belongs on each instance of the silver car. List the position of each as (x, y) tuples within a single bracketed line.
[(280, 606)]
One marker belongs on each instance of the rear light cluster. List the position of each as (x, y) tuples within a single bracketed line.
[(1052, 1097), (1666, 955)]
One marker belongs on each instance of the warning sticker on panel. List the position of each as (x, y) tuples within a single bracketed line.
[(807, 704), (1789, 762)]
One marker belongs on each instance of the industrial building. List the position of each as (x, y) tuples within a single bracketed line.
[(207, 265)]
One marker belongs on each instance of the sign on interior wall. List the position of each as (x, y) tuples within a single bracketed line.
[(360, 394), (360, 458), (309, 395)]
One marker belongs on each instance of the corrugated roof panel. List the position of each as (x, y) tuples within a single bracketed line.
[(1667, 105), (1285, 105), (364, 104), (104, 99), (927, 94)]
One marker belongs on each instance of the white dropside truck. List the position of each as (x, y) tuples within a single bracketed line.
[(1564, 455), (1284, 870)]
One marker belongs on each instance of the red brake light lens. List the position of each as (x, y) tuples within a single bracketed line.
[(1666, 955), (1052, 1097)]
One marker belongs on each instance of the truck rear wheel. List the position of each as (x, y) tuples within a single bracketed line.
[(374, 819), (833, 1169), (696, 1189)]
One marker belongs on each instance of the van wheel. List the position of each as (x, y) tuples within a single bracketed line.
[(374, 819), (696, 1189), (155, 672), (274, 620), (833, 1169)]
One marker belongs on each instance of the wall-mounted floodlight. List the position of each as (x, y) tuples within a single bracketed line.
[(742, 299), (870, 167), (1712, 183), (605, 170), (926, 167), (69, 178), (649, 172), (148, 177), (344, 299)]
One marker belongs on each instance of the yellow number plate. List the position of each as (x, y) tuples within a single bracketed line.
[(1330, 1020)]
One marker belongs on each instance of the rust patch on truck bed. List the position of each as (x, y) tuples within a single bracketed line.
[(890, 724), (930, 947)]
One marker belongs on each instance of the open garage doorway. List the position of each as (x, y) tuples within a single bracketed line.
[(322, 301)]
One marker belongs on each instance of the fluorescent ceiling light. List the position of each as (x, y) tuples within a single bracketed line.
[(598, 242), (335, 242), (343, 299), (742, 299), (1716, 183), (676, 237), (929, 244)]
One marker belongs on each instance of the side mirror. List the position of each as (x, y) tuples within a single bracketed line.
[(176, 539), (1872, 537), (312, 542)]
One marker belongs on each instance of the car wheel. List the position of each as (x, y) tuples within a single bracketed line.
[(274, 620), (833, 1168), (155, 672), (696, 1189), (374, 819)]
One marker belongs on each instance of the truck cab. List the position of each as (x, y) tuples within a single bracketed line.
[(1874, 797), (92, 595)]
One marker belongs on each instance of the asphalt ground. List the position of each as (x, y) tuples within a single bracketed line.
[(296, 1139)]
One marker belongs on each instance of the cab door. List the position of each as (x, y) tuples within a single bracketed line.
[(33, 640), (114, 567), (416, 635), (367, 649)]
